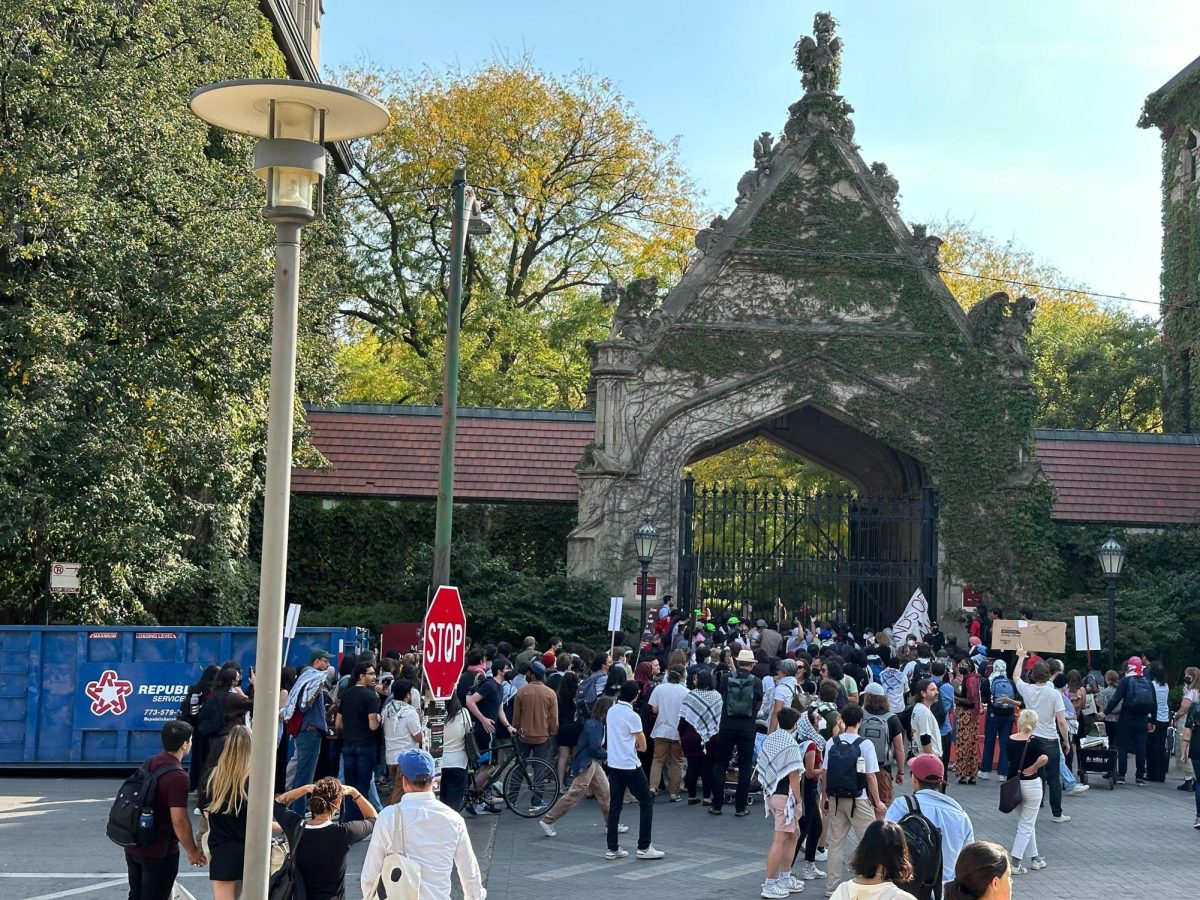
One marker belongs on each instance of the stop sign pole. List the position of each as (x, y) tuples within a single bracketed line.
[(444, 652)]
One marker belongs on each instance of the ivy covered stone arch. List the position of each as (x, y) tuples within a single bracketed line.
[(816, 316)]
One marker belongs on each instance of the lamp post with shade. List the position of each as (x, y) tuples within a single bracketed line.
[(293, 121), (645, 542), (1112, 558)]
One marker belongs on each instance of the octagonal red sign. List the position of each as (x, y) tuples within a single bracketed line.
[(445, 647)]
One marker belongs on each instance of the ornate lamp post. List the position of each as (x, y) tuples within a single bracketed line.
[(1112, 558), (645, 542), (293, 120)]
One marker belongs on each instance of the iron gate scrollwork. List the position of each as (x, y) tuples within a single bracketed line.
[(742, 550)]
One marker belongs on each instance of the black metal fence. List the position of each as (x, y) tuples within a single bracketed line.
[(747, 551)]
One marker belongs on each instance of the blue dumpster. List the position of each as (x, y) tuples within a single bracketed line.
[(96, 697)]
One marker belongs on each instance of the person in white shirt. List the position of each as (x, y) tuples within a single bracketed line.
[(666, 702), (1047, 701), (401, 731), (844, 813), (924, 723), (428, 832), (625, 740)]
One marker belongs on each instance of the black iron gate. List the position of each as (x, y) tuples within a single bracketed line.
[(744, 550)]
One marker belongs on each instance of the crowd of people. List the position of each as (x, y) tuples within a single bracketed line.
[(826, 726)]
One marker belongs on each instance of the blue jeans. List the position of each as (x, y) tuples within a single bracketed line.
[(996, 729), (1068, 780), (308, 751), (359, 762)]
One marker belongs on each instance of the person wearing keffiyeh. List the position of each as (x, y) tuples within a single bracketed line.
[(699, 722), (780, 770)]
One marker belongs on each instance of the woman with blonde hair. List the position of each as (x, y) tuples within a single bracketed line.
[(320, 844), (1026, 756), (225, 813)]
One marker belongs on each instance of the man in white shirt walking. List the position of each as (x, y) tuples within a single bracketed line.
[(625, 740), (924, 722), (428, 832), (849, 793)]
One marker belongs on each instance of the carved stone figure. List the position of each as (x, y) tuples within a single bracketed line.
[(636, 316), (706, 236), (748, 184), (885, 182), (820, 60), (927, 247), (763, 144), (1003, 327)]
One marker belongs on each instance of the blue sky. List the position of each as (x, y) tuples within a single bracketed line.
[(1019, 117)]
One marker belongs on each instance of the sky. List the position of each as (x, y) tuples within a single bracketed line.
[(1017, 117)]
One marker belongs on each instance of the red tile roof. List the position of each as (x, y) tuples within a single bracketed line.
[(529, 455), (1122, 478), (394, 451)]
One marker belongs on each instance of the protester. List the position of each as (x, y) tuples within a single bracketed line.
[(225, 814), (943, 708), (699, 723), (587, 771), (781, 768), (1185, 735), (849, 792), (883, 730), (426, 831), (1135, 702), (1157, 757), (666, 704), (879, 862), (454, 756), (491, 723), (152, 869), (966, 729), (925, 729), (197, 695), (998, 698), (535, 717), (401, 730), (320, 845), (226, 709), (357, 721), (947, 816), (1028, 754), (741, 697), (624, 738), (1051, 726), (570, 724), (982, 873)]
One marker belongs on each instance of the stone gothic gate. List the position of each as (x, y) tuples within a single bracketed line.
[(814, 317)]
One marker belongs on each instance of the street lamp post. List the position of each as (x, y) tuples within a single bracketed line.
[(1112, 558), (293, 120), (645, 542)]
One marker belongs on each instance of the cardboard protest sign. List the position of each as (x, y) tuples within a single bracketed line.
[(1042, 637)]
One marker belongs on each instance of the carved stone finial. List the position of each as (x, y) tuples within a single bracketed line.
[(927, 247), (819, 58), (885, 182), (636, 318), (763, 145)]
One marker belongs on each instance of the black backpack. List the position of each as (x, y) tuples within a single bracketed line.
[(843, 780), (739, 697), (211, 718), (1140, 699), (920, 670), (924, 852), (131, 817)]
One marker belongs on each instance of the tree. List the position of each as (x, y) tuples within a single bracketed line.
[(1096, 367), (571, 179), (135, 289)]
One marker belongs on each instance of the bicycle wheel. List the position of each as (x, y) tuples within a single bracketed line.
[(530, 787)]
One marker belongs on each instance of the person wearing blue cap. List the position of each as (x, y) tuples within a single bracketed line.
[(425, 830)]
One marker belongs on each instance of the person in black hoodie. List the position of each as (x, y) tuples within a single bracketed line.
[(1133, 718)]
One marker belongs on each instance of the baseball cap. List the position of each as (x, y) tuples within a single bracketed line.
[(415, 765), (538, 669), (710, 627), (761, 623), (318, 653), (927, 767), (734, 620), (875, 689)]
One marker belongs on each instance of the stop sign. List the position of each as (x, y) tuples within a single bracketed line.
[(445, 642)]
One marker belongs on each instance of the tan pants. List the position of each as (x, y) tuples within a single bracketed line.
[(590, 779), (672, 753), (843, 815)]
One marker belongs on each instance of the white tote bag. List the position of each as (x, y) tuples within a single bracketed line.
[(400, 877)]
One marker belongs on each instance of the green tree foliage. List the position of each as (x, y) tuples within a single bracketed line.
[(135, 301), (1096, 367), (571, 177), (762, 465)]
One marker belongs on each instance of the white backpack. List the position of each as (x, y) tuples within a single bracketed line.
[(400, 877)]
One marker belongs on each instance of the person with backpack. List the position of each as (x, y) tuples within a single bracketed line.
[(227, 708), (880, 864), (304, 718), (401, 730), (587, 771), (320, 845), (998, 696), (884, 731), (1135, 703), (926, 732), (189, 711), (741, 697), (935, 823), (152, 841), (593, 686), (849, 791), (919, 668)]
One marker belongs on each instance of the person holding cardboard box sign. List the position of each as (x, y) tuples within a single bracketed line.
[(1044, 699)]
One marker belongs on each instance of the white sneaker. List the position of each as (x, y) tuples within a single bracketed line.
[(1078, 789), (821, 855), (793, 884), (650, 853), (622, 828), (616, 854), (1060, 819), (1037, 863), (812, 873), (774, 891), (1018, 869), (984, 776), (548, 828)]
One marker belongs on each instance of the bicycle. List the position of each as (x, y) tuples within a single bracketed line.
[(528, 785)]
